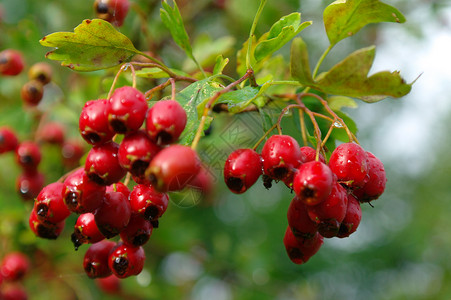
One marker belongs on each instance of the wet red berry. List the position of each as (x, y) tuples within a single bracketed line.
[(352, 218), (95, 262), (376, 183), (242, 169), (148, 202), (137, 232), (118, 187), (93, 122), (86, 231), (310, 154), (49, 204), (113, 215), (45, 230), (300, 251), (299, 222), (126, 260), (349, 162)]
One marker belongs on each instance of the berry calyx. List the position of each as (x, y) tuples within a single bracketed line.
[(86, 231), (148, 202), (49, 204), (95, 262), (242, 169), (126, 260), (45, 230), (137, 232), (93, 122)]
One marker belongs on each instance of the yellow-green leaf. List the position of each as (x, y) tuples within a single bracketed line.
[(300, 66)]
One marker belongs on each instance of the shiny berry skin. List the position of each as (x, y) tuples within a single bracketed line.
[(135, 153), (113, 215), (11, 62), (71, 152), (28, 155), (376, 183), (352, 218), (281, 156), (119, 187), (95, 262), (330, 213), (93, 122), (300, 251), (29, 184), (86, 231), (8, 140), (102, 164), (81, 194), (127, 110), (299, 222), (126, 260), (312, 182), (310, 154), (165, 122), (242, 169), (52, 133), (14, 266), (32, 92), (148, 202), (137, 232), (349, 162), (173, 168), (113, 11), (49, 204), (45, 230), (109, 285), (40, 71)]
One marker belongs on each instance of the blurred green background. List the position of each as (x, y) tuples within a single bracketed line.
[(230, 246)]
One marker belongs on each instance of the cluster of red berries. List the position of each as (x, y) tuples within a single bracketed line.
[(13, 269), (113, 11), (327, 196), (106, 206)]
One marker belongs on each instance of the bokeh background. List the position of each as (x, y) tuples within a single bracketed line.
[(230, 246)]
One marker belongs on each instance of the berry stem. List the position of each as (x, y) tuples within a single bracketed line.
[(251, 34), (121, 69), (173, 90), (149, 93), (303, 128)]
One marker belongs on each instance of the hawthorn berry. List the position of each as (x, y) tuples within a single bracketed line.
[(93, 122), (29, 184), (32, 92), (242, 169), (102, 164), (281, 156), (376, 183), (28, 155), (301, 225), (49, 204), (8, 140), (300, 251), (173, 168), (352, 218), (137, 232), (202, 183), (312, 182), (113, 215), (165, 122), (126, 260), (146, 201), (127, 110), (81, 194), (14, 266), (11, 62), (113, 11), (135, 153), (52, 133), (349, 162), (43, 229), (40, 71), (95, 262), (118, 187), (310, 154), (71, 152), (86, 231)]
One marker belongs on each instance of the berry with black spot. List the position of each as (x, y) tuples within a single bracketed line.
[(113, 11), (376, 183), (299, 222), (14, 266), (126, 260), (49, 204), (45, 230), (137, 232), (113, 215), (102, 164), (28, 155), (242, 169), (300, 251), (8, 140), (86, 231), (352, 218), (95, 262), (40, 71), (93, 122), (32, 92), (29, 184), (148, 202), (11, 62)]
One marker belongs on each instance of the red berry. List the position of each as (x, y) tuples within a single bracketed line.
[(281, 156), (113, 11), (45, 230), (137, 232), (93, 122), (81, 194), (49, 204), (11, 62), (28, 155), (95, 262), (109, 285), (135, 153), (14, 292), (148, 202), (312, 182), (32, 92), (310, 154), (349, 162), (8, 140), (72, 151), (113, 215), (29, 184), (127, 110), (173, 168), (86, 231), (352, 218), (299, 222), (126, 260), (330, 213), (52, 133), (376, 183), (300, 251), (242, 169), (102, 164), (202, 182), (165, 121), (14, 266), (118, 187), (40, 71)]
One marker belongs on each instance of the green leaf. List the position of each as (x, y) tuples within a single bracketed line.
[(338, 102), (349, 78), (299, 62), (280, 33), (157, 73), (238, 100), (94, 45), (340, 133), (220, 64), (344, 18)]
